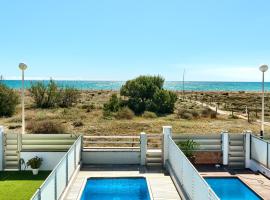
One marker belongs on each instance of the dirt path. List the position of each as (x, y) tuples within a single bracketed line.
[(223, 112)]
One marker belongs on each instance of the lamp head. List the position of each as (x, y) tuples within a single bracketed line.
[(22, 66), (263, 68)]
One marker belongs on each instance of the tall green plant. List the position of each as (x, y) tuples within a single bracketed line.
[(188, 147)]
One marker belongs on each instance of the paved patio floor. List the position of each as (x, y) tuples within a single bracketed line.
[(161, 185)]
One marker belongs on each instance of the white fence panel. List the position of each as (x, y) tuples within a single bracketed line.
[(71, 162), (55, 184), (268, 155), (78, 152), (259, 150), (48, 188), (61, 176), (192, 182)]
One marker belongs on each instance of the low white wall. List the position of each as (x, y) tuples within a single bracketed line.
[(111, 157), (50, 159)]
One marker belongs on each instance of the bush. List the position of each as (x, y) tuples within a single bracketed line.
[(46, 127), (206, 112), (195, 113), (50, 96), (8, 101), (149, 115), (125, 113), (45, 96), (187, 116), (113, 105), (77, 123), (146, 93), (68, 97)]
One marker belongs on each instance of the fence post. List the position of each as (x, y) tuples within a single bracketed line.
[(55, 185), (225, 147), (247, 148), (1, 148), (143, 147), (167, 132), (66, 169)]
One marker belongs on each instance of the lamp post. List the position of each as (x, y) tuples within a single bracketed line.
[(23, 67), (263, 69)]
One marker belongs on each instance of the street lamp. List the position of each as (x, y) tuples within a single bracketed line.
[(23, 67), (263, 68)]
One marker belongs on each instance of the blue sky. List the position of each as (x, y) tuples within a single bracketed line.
[(214, 40)]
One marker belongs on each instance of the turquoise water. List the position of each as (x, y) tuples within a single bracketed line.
[(231, 189), (116, 189), (172, 85)]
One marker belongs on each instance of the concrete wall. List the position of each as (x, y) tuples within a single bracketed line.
[(50, 159), (111, 157)]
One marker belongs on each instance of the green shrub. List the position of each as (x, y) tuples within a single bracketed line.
[(195, 113), (46, 127), (125, 113), (8, 101), (50, 96), (77, 123), (146, 93), (187, 116), (68, 97), (113, 105), (149, 115), (206, 112), (45, 96)]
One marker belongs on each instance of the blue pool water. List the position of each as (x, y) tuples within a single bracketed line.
[(231, 189), (116, 189)]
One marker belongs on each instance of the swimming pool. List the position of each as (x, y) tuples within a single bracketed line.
[(231, 188), (116, 189)]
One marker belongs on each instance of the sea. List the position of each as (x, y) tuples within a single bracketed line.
[(170, 85)]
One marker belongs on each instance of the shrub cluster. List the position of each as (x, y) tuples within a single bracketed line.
[(46, 127), (8, 101), (196, 113), (124, 113), (142, 94), (146, 93), (149, 115), (50, 96)]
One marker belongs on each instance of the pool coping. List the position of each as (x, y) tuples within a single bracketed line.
[(236, 177), (115, 177)]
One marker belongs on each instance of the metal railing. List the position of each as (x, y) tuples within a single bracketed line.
[(191, 181), (57, 181), (260, 151), (110, 142)]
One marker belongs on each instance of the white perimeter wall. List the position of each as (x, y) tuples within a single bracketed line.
[(50, 159), (111, 157)]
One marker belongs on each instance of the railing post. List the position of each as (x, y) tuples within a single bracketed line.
[(75, 163), (247, 148), (167, 132), (55, 185), (39, 194), (66, 169), (1, 148), (225, 147), (143, 147)]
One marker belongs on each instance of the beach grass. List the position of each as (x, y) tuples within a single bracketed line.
[(87, 118)]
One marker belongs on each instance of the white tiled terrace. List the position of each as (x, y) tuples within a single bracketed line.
[(161, 185)]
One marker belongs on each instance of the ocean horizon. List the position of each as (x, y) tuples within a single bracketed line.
[(170, 85)]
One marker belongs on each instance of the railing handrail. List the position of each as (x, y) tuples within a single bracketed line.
[(252, 135)]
